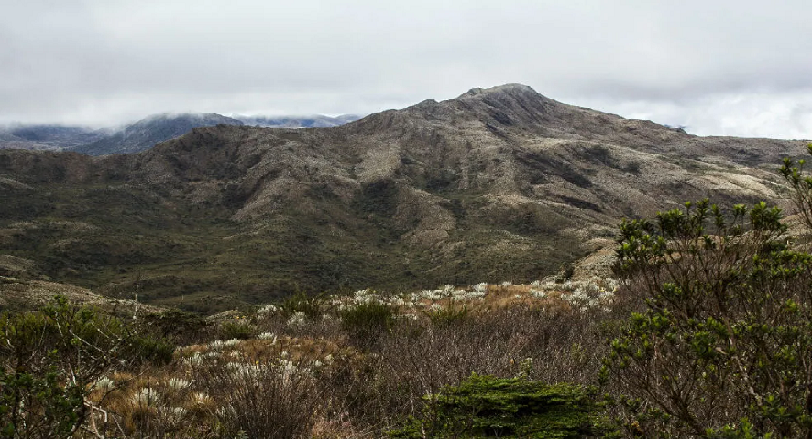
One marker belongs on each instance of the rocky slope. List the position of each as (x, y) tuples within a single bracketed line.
[(498, 184)]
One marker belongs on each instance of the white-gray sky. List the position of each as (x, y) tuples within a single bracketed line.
[(739, 67)]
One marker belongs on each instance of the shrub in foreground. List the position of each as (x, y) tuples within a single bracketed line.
[(265, 400), (48, 362), (722, 345)]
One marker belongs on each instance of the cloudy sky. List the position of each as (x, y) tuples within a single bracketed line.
[(722, 67)]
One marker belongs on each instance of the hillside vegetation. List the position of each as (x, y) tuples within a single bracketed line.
[(704, 333)]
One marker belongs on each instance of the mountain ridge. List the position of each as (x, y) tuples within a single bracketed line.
[(498, 184)]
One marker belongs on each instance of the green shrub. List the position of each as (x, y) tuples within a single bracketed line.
[(366, 322), (39, 406), (239, 330), (448, 316), (800, 182), (485, 406), (183, 328), (311, 306), (723, 335), (150, 349), (48, 361)]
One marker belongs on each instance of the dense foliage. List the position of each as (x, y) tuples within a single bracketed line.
[(49, 360)]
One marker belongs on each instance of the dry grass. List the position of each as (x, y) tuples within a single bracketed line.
[(312, 380)]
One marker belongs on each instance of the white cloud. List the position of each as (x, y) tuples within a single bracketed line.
[(777, 115), (104, 61)]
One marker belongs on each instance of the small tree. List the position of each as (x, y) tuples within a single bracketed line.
[(722, 345), (49, 361)]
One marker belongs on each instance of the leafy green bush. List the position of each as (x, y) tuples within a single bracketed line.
[(38, 406), (150, 349), (722, 341), (801, 184), (485, 406)]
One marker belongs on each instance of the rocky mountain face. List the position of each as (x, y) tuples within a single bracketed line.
[(148, 132), (498, 184)]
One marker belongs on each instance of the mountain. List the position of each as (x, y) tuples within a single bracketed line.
[(498, 184), (315, 121), (154, 129), (50, 137), (145, 133)]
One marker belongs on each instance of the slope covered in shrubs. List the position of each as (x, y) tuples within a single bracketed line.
[(704, 333)]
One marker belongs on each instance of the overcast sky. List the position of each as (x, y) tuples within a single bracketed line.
[(739, 67)]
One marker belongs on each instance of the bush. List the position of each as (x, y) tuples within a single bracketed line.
[(724, 334), (39, 406), (180, 327), (265, 400), (801, 185), (311, 306), (416, 358), (149, 349), (485, 406), (48, 362), (366, 322), (239, 330), (448, 316)]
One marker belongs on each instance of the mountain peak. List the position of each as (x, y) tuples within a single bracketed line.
[(512, 88)]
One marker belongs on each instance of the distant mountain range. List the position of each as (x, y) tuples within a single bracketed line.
[(48, 137), (145, 133), (148, 132), (499, 184), (316, 121)]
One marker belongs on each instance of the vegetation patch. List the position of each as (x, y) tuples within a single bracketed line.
[(489, 407)]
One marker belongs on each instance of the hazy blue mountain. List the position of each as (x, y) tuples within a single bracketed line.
[(49, 137), (145, 133), (314, 121), (152, 130)]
